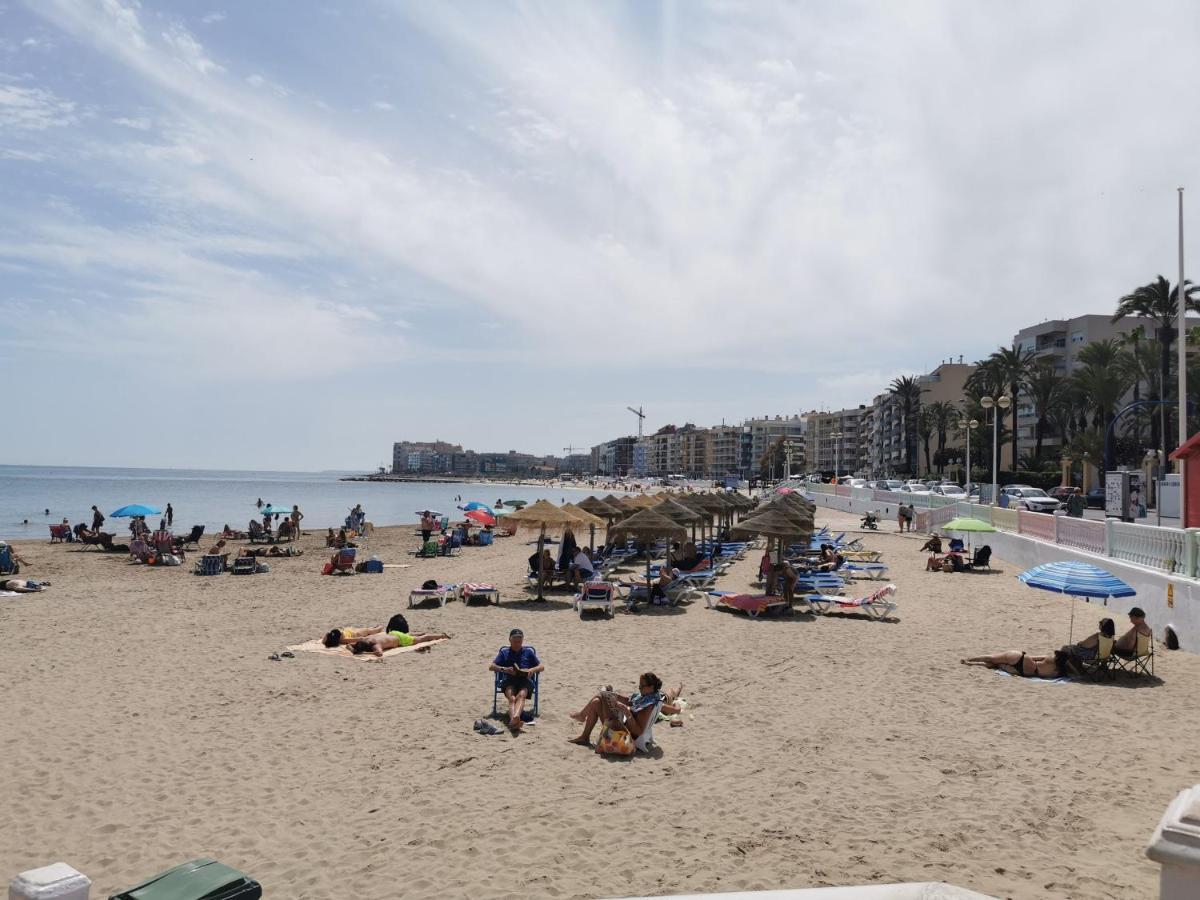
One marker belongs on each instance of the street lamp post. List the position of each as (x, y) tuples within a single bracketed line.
[(837, 439), (997, 405), (971, 426)]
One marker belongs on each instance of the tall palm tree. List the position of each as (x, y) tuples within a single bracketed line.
[(1159, 301), (925, 433), (1013, 366), (907, 391), (1101, 380), (1046, 389), (945, 417)]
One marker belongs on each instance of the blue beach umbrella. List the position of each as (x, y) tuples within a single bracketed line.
[(270, 510), (1076, 579), (475, 504), (135, 509)]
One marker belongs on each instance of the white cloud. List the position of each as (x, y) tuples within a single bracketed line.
[(213, 18), (382, 105), (33, 109), (138, 123)]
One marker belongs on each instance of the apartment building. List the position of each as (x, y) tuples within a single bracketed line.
[(1059, 341), (834, 438)]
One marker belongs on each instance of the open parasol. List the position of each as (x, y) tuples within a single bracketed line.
[(648, 525), (542, 515), (677, 512), (773, 523)]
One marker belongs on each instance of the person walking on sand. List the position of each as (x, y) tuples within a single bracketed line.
[(97, 519), (170, 516), (517, 663)]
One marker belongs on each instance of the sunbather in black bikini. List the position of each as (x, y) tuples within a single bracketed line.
[(1023, 665)]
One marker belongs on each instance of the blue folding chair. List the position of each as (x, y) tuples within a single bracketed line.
[(497, 692)]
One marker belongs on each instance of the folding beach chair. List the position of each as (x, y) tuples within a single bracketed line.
[(876, 605), (982, 559), (344, 564), (258, 534), (59, 533), (1142, 660), (139, 550), (645, 740), (596, 595), (442, 594), (473, 590), (210, 564), (498, 692), (1101, 664), (192, 537), (162, 542), (244, 565), (873, 571), (820, 583)]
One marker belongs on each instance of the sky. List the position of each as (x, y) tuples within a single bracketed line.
[(284, 235)]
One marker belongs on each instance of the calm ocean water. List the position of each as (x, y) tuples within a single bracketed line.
[(214, 498)]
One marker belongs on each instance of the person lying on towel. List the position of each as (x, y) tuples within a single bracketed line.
[(1025, 665), (390, 640), (23, 585), (339, 636)]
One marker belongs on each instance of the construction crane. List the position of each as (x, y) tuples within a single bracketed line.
[(570, 450), (641, 417)]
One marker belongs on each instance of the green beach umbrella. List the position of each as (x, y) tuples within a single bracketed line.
[(965, 523)]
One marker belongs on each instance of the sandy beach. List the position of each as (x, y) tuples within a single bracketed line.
[(145, 725)]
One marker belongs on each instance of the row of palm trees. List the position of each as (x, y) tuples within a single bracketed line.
[(1075, 408)]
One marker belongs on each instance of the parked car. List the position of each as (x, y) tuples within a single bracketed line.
[(888, 484), (952, 491), (1094, 499), (858, 482), (1022, 496), (914, 490)]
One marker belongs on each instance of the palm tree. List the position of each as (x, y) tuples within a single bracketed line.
[(907, 391), (1101, 380), (1046, 389), (1159, 301), (1013, 366), (945, 416), (772, 456), (925, 433)]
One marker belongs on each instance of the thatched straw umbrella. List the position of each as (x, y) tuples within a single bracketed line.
[(599, 508), (648, 525), (697, 504), (586, 518), (542, 515), (620, 503), (677, 512), (774, 524)]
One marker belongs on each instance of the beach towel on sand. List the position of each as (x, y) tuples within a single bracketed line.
[(315, 646), (1038, 680)]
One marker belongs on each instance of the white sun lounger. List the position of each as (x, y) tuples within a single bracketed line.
[(876, 605), (596, 595), (441, 594)]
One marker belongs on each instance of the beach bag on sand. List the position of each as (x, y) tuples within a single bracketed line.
[(615, 742), (327, 569)]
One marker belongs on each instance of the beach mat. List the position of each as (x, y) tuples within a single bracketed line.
[(315, 646)]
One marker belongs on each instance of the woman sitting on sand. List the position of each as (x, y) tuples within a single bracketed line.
[(378, 643), (951, 562), (1016, 662), (933, 545), (630, 713)]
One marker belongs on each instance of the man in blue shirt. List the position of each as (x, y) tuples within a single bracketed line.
[(517, 663)]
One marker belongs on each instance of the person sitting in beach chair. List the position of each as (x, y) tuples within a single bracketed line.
[(658, 590), (218, 549), (957, 545), (1089, 648), (1126, 644), (285, 532), (634, 714), (582, 569), (10, 562), (139, 550), (22, 585), (517, 664), (377, 644), (951, 562), (933, 545), (1025, 665), (336, 637)]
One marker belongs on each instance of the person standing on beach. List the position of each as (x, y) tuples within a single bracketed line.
[(296, 516), (428, 524), (170, 516), (97, 519)]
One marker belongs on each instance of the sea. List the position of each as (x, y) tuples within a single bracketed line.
[(33, 497)]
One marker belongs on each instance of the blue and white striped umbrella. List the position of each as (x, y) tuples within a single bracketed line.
[(1078, 579)]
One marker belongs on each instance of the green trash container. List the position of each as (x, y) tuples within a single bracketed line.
[(200, 879)]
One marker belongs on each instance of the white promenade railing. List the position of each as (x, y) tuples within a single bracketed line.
[(1172, 550)]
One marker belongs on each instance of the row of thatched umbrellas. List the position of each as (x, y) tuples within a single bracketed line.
[(648, 517)]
